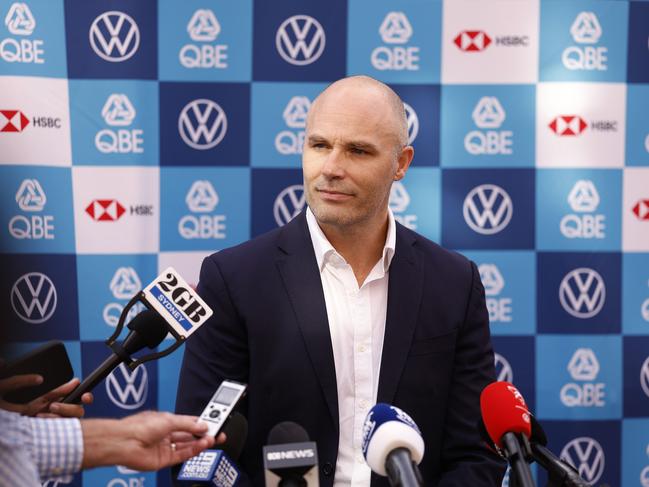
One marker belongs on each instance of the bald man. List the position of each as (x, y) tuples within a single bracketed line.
[(343, 307)]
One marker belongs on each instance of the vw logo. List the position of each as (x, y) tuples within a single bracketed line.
[(33, 297), (644, 477), (288, 204), (504, 371), (487, 209), (128, 389), (644, 309), (644, 376), (413, 123), (582, 293), (300, 40), (114, 36), (587, 456), (202, 124)]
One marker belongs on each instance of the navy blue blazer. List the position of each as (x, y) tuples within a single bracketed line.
[(270, 330)]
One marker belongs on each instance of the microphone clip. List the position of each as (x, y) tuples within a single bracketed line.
[(117, 348)]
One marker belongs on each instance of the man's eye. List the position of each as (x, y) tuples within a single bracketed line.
[(357, 151), (318, 145)]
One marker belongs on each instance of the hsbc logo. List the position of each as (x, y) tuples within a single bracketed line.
[(641, 209), (300, 40), (114, 36), (202, 198), (585, 30), (118, 110), (582, 293), (488, 114), (395, 30), (644, 376), (128, 389), (587, 456), (568, 125), (499, 308), (202, 124), (487, 209), (413, 123), (105, 210), (399, 202), (504, 371), (30, 196), (295, 116), (472, 40), (13, 121), (288, 204), (204, 27), (34, 298), (125, 283), (19, 19)]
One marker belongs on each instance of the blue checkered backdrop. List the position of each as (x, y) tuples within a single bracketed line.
[(138, 135)]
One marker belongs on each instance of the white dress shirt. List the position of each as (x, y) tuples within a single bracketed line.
[(357, 325)]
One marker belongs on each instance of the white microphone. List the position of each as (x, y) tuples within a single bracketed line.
[(393, 445)]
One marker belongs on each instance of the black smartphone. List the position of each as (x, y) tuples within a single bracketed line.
[(50, 360)]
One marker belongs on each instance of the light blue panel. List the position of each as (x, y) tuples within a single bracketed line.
[(416, 202), (114, 122), (578, 209), (579, 377), (205, 41), (396, 42), (635, 452), (637, 125), (488, 125)]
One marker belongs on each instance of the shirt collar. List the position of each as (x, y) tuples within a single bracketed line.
[(324, 250)]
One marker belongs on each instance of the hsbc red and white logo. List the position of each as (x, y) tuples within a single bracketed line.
[(641, 210), (17, 121), (574, 125), (479, 40), (105, 210)]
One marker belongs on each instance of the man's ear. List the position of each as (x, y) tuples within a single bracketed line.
[(403, 161)]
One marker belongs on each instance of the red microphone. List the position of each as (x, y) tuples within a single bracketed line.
[(507, 421)]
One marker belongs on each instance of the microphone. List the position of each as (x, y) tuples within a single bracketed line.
[(290, 459), (507, 422), (393, 445), (172, 307)]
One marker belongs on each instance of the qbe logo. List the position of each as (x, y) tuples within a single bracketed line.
[(202, 124), (504, 371), (582, 293), (413, 123), (399, 202), (575, 125), (21, 22), (584, 222), (288, 204), (118, 111), (16, 121), (33, 225), (204, 28), (587, 456), (34, 298), (124, 284), (202, 199), (300, 40), (472, 41), (128, 389), (585, 31), (488, 114), (487, 209), (499, 308), (295, 115), (584, 391), (114, 36), (395, 31)]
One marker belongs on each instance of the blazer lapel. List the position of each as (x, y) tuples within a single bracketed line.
[(404, 296), (298, 267)]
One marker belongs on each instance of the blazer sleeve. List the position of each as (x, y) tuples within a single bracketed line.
[(465, 457)]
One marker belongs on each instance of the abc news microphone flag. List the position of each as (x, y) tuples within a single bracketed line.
[(150, 134)]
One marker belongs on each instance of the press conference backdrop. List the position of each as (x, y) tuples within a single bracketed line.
[(137, 135)]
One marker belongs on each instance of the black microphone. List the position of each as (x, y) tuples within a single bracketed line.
[(290, 459), (148, 329), (560, 473)]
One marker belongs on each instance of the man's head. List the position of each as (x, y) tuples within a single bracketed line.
[(356, 146)]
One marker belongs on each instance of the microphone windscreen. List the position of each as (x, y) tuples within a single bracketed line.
[(236, 431), (287, 432), (538, 435), (150, 329), (387, 428), (504, 411)]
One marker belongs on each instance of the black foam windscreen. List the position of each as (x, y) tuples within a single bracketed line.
[(538, 435), (147, 329), (236, 431), (287, 432)]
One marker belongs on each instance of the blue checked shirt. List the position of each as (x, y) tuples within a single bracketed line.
[(33, 450)]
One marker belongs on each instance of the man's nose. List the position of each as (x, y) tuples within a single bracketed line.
[(334, 164)]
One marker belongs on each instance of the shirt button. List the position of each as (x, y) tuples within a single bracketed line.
[(363, 404), (360, 459), (361, 348)]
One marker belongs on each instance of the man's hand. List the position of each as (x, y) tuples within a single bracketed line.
[(46, 405), (144, 441)]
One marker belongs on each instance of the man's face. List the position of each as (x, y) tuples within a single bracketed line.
[(349, 158)]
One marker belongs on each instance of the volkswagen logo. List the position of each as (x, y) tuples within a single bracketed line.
[(487, 209), (288, 204), (300, 40), (126, 388), (644, 376), (202, 124), (504, 371), (582, 293), (413, 123), (587, 456), (33, 297), (114, 36)]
